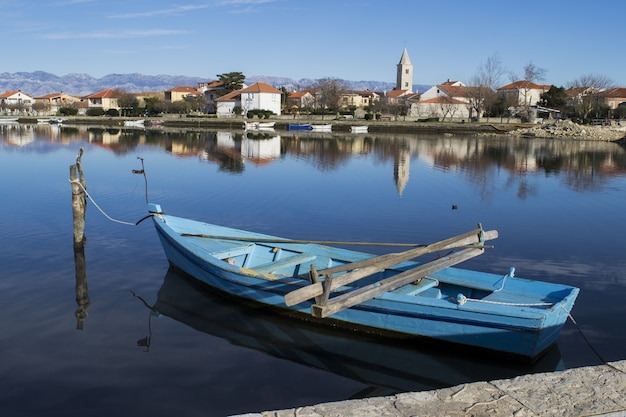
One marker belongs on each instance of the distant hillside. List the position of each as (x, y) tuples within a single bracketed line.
[(40, 83)]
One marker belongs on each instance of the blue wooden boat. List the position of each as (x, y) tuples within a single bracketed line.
[(389, 294), (299, 126)]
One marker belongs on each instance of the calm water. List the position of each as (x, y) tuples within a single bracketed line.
[(126, 334)]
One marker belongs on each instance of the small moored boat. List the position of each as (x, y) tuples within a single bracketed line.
[(258, 125), (134, 123), (298, 126), (387, 294), (358, 129), (322, 128)]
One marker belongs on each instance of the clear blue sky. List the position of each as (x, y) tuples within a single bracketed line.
[(348, 39)]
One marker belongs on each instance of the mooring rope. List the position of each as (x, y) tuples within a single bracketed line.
[(102, 211), (461, 299)]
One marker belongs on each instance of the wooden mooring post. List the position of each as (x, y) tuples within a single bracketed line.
[(79, 207), (79, 200)]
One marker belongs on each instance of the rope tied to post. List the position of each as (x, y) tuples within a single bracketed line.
[(102, 211)]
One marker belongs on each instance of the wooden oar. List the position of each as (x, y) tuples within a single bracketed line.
[(368, 292), (367, 267), (299, 241)]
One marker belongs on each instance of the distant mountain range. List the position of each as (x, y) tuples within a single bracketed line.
[(40, 83)]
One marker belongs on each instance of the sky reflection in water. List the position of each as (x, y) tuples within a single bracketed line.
[(558, 207)]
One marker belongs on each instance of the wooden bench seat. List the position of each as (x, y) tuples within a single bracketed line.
[(271, 267)]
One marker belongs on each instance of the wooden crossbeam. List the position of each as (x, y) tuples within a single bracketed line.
[(368, 292), (367, 267)]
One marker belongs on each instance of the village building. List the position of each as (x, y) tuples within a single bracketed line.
[(258, 96), (301, 99), (105, 99), (357, 99), (446, 101), (52, 103), (523, 93), (16, 102), (211, 91), (181, 93), (404, 74), (614, 97)]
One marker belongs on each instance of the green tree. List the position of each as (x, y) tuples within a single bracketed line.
[(233, 81), (555, 97)]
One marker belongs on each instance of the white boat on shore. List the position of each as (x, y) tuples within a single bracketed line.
[(358, 129), (52, 120), (134, 123), (322, 128), (258, 125)]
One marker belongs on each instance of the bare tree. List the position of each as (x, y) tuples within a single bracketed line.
[(591, 81), (489, 73), (587, 97), (482, 93), (533, 73), (330, 92)]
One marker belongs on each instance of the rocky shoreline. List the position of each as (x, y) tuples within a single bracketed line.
[(565, 129)]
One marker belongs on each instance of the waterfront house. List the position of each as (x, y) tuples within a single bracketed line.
[(523, 93), (448, 100), (181, 93), (358, 99), (105, 99), (15, 102), (301, 99), (52, 103), (211, 91), (225, 105), (613, 97), (261, 96)]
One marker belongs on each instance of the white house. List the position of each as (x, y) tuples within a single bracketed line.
[(259, 96), (225, 105), (523, 93), (15, 102), (449, 100)]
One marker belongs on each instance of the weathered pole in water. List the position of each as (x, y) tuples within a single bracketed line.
[(79, 200), (79, 206)]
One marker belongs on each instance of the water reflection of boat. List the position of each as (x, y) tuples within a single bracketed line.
[(396, 366)]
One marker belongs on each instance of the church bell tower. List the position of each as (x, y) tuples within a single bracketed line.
[(404, 80)]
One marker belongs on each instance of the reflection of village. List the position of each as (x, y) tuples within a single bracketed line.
[(581, 163)]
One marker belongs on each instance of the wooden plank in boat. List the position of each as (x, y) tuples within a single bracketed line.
[(284, 263), (368, 292), (367, 267)]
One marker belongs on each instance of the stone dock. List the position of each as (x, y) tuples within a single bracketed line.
[(588, 391)]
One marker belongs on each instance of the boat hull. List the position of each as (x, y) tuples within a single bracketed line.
[(525, 331)]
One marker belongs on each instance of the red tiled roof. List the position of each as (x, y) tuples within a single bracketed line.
[(230, 96), (108, 93), (523, 84), (261, 88), (184, 89), (444, 100)]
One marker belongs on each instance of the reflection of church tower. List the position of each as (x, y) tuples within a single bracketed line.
[(404, 80), (402, 166)]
